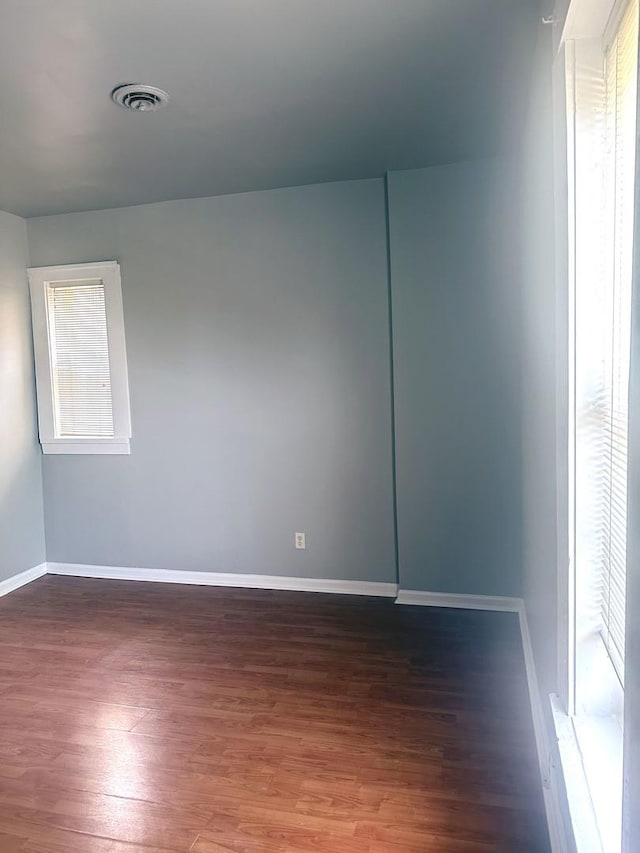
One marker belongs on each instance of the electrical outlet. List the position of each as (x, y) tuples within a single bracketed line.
[(300, 541)]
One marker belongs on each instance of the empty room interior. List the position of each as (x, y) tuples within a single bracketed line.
[(319, 426)]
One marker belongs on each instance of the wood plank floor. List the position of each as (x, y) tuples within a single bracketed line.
[(146, 717)]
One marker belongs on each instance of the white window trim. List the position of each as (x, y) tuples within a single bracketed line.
[(109, 273)]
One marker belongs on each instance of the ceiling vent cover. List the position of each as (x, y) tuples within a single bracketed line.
[(140, 97)]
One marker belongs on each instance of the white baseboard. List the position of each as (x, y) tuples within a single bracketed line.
[(466, 602), (340, 587), (557, 834), (21, 579)]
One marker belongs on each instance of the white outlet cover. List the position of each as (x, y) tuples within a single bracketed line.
[(300, 541)]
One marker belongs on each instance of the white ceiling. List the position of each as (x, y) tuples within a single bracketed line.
[(264, 93)]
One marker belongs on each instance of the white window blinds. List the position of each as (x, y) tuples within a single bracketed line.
[(605, 123), (621, 73), (79, 357)]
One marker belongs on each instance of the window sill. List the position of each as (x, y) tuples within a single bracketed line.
[(591, 756), (89, 446)]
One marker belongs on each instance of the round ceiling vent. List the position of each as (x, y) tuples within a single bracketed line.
[(140, 97)]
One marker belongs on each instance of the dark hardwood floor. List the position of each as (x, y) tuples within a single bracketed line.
[(147, 717)]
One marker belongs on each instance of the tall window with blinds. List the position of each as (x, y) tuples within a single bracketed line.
[(83, 399), (605, 90), (621, 88)]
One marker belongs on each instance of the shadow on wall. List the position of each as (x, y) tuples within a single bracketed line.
[(21, 519), (456, 332)]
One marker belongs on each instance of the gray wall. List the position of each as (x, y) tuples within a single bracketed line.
[(258, 346), (21, 524), (539, 335), (544, 409), (456, 329)]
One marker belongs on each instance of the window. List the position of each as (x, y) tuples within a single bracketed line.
[(601, 72), (621, 87), (81, 365), (605, 121)]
